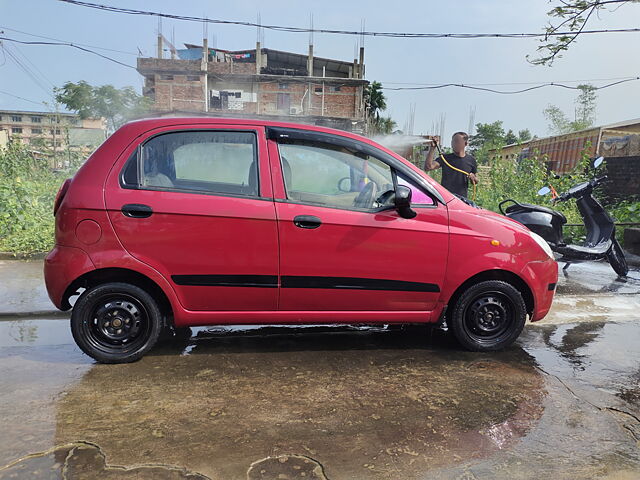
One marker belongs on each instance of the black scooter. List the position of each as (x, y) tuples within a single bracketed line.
[(600, 241)]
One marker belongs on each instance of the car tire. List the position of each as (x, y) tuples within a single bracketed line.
[(488, 316), (116, 322)]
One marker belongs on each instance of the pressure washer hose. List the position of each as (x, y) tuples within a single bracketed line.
[(468, 174)]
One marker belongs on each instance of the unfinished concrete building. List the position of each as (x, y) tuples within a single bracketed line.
[(260, 82)]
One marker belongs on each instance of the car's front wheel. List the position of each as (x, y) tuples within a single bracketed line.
[(116, 322), (488, 316)]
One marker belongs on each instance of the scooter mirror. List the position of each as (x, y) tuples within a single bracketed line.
[(544, 191), (597, 162)]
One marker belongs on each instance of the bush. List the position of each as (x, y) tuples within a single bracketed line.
[(522, 179), (27, 191)]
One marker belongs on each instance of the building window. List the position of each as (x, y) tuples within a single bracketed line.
[(36, 131), (318, 89), (166, 77), (36, 119), (283, 86), (16, 118), (335, 89), (16, 129), (55, 131), (54, 120), (193, 78)]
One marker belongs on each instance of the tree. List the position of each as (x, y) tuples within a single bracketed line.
[(116, 105), (524, 135), (584, 116), (375, 101), (383, 126), (569, 18), (586, 106), (491, 136)]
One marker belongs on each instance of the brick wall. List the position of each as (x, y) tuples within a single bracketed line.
[(179, 92), (624, 177), (337, 103)]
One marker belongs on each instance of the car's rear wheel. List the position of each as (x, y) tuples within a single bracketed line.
[(488, 316), (116, 322)]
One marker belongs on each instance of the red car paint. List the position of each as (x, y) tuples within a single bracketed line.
[(258, 267)]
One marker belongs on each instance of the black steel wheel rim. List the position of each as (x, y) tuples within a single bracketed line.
[(118, 323), (488, 316)]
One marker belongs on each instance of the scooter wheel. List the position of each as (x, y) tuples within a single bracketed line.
[(616, 258)]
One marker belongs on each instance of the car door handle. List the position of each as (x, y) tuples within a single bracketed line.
[(137, 210), (306, 221)]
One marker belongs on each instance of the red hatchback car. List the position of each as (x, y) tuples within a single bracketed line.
[(178, 222)]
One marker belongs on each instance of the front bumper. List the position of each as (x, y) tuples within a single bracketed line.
[(542, 277)]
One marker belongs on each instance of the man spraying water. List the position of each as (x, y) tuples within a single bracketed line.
[(458, 168)]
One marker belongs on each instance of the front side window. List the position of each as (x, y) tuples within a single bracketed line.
[(333, 176), (418, 196), (223, 162)]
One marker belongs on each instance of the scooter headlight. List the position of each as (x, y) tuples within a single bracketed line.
[(543, 244)]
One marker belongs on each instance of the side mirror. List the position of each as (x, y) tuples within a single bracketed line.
[(344, 185), (544, 191), (402, 201), (597, 162)]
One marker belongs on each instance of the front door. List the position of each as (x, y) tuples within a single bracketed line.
[(341, 247), (195, 204)]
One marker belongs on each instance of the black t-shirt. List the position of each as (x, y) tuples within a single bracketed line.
[(453, 180)]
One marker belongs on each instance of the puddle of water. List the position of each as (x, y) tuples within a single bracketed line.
[(35, 333)]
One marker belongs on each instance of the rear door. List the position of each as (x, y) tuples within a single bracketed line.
[(341, 249), (196, 205)]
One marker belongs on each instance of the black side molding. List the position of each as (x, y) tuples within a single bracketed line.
[(290, 281), (265, 281), (354, 283)]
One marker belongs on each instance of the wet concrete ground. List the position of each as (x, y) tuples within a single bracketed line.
[(331, 402)]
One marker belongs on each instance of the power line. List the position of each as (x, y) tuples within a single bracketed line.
[(35, 67), (66, 41), (586, 80), (508, 92), (362, 33), (22, 98), (66, 44), (27, 71)]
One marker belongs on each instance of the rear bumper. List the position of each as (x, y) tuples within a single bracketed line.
[(542, 277), (62, 266)]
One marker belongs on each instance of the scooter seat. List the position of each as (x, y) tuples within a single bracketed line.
[(527, 207)]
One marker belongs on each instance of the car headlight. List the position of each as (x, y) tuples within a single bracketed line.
[(543, 244)]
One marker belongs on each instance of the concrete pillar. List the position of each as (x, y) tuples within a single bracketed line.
[(310, 61), (361, 69), (258, 58), (159, 46), (204, 66)]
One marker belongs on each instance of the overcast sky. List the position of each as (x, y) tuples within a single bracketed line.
[(390, 61)]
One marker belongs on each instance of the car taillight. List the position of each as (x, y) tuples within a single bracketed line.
[(60, 195)]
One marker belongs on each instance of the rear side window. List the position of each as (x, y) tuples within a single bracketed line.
[(224, 162)]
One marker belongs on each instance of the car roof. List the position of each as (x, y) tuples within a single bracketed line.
[(158, 122)]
